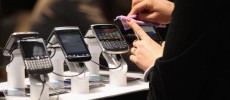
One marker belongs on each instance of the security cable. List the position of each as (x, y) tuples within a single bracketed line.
[(43, 86), (82, 66), (54, 49), (11, 54), (83, 70), (54, 52), (53, 90), (106, 66)]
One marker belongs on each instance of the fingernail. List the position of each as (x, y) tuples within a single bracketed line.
[(128, 19)]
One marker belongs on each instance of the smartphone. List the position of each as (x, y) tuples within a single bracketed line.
[(12, 41), (110, 38), (72, 43), (35, 56), (150, 30)]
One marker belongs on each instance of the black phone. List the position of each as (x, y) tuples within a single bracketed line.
[(12, 41), (35, 56), (130, 35), (151, 31), (72, 43), (110, 38)]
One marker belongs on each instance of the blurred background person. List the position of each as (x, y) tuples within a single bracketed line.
[(48, 14)]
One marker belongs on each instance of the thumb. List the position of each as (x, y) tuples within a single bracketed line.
[(141, 34)]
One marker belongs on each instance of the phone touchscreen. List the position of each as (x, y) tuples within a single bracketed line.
[(111, 34), (110, 38), (152, 33), (73, 45), (33, 49)]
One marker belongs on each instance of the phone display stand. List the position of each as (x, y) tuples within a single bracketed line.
[(36, 87), (16, 71), (80, 83), (16, 78), (57, 61), (95, 51), (118, 76)]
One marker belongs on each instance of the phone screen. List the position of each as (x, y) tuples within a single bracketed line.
[(73, 45), (33, 49), (110, 38), (152, 33), (108, 34)]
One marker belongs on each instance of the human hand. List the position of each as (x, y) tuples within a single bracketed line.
[(145, 50), (158, 11)]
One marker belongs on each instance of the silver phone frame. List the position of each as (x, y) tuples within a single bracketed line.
[(103, 49)]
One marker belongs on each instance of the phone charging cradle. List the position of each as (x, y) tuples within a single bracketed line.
[(80, 82), (118, 77), (16, 71), (118, 69), (16, 77), (95, 52), (57, 61), (36, 87)]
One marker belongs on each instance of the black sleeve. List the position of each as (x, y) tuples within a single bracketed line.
[(182, 76), (200, 72)]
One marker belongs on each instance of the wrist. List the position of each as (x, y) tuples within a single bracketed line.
[(146, 73), (151, 68)]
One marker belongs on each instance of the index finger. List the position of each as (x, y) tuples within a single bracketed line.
[(141, 34)]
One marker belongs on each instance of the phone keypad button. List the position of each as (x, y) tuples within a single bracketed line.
[(38, 64), (114, 45)]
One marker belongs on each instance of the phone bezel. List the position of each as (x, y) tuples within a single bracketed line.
[(72, 58), (94, 26)]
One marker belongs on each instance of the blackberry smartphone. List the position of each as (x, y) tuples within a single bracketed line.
[(151, 31), (110, 38), (35, 56), (72, 43), (12, 41)]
